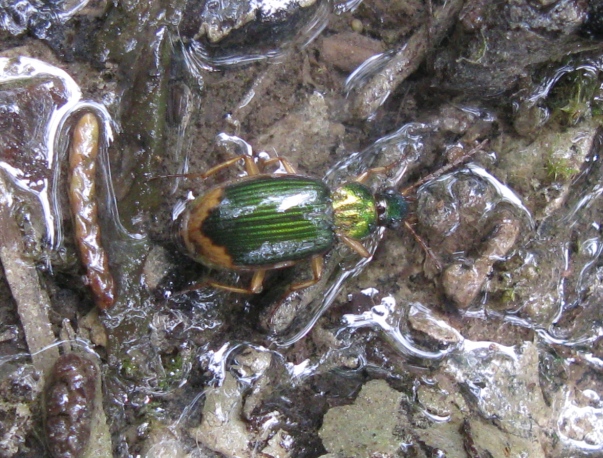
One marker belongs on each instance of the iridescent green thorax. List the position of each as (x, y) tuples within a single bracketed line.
[(355, 210)]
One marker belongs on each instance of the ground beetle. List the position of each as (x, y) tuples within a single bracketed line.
[(271, 221)]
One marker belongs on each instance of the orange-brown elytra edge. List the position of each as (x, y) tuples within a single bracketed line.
[(196, 241)]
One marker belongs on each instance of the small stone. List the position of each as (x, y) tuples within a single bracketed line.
[(221, 428), (463, 283), (357, 25), (366, 427), (433, 326), (95, 329), (346, 51), (279, 446), (156, 266)]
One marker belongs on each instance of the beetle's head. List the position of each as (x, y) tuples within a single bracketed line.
[(392, 208)]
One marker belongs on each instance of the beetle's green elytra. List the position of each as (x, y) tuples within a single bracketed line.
[(263, 221)]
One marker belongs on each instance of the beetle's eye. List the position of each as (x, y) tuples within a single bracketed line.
[(381, 212)]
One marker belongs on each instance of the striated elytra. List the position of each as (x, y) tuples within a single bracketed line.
[(270, 221)]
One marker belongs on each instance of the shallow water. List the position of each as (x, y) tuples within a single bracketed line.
[(485, 340)]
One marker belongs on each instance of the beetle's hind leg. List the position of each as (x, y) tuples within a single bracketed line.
[(317, 265), (255, 287)]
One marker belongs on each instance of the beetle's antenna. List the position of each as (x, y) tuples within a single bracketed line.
[(424, 246), (177, 175), (445, 169)]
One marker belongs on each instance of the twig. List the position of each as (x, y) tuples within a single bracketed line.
[(32, 300), (405, 61)]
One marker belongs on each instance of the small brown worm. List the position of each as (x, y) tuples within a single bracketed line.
[(82, 198)]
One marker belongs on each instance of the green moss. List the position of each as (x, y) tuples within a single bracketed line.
[(128, 369), (174, 367), (508, 296), (575, 97), (559, 168)]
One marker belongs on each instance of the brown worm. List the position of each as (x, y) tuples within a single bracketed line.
[(82, 198), (69, 405)]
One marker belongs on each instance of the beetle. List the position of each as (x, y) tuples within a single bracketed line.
[(268, 221)]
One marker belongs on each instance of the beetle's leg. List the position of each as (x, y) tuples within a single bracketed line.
[(317, 265), (257, 281), (355, 245), (250, 167), (255, 286), (374, 171), (283, 161)]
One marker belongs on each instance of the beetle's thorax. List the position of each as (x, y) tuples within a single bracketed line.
[(354, 210)]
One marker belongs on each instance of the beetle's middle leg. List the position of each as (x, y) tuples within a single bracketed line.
[(317, 265)]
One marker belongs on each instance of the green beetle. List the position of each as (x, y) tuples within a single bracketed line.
[(271, 221)]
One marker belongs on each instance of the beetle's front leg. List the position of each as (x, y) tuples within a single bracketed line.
[(374, 171), (354, 245)]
